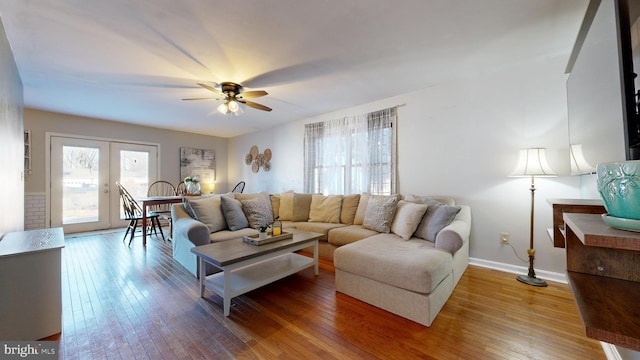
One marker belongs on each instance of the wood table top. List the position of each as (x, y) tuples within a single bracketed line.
[(232, 251)]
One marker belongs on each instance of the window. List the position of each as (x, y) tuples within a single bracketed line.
[(351, 155)]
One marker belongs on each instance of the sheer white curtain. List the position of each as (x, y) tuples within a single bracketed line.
[(351, 155)]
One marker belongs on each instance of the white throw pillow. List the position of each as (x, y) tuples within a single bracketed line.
[(407, 218), (286, 206), (362, 208)]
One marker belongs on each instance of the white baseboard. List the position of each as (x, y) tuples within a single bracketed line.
[(519, 270), (610, 351)]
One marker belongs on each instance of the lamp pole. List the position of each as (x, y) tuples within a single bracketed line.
[(530, 278)]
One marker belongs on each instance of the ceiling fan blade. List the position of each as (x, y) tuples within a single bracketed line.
[(255, 105), (253, 94), (211, 88), (204, 99)]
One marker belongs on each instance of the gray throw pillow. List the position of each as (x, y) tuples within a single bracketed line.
[(380, 212), (233, 214), (438, 216), (207, 210), (258, 211)]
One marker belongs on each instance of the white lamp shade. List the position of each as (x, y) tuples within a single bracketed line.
[(233, 106), (223, 108), (533, 162), (579, 165)]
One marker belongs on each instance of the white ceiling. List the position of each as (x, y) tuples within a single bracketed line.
[(133, 61)]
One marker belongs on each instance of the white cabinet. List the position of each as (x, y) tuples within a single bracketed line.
[(31, 284)]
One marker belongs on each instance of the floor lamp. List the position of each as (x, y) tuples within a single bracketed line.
[(532, 162)]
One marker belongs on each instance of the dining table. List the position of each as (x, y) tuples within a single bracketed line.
[(155, 200)]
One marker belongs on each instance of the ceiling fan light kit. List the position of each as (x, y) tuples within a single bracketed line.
[(234, 96)]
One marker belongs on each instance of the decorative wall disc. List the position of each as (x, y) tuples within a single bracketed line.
[(254, 152), (248, 159), (266, 166), (255, 167), (267, 155)]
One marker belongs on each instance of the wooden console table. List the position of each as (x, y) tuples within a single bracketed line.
[(603, 267), (561, 206), (31, 283)]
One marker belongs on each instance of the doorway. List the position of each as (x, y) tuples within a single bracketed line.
[(83, 172)]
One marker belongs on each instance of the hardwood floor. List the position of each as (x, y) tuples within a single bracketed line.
[(132, 303)]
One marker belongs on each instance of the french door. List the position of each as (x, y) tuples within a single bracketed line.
[(83, 172)]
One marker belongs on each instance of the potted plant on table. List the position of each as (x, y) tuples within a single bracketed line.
[(193, 185), (263, 231)]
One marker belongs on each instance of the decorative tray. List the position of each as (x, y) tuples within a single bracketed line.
[(255, 240)]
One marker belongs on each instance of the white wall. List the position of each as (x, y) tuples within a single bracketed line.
[(460, 139), (11, 140)]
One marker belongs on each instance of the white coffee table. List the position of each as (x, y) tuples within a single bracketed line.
[(246, 267)]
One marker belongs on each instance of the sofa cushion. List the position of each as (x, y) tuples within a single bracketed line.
[(258, 211), (415, 265), (349, 208), (207, 210), (294, 206), (407, 218), (301, 206), (275, 205), (380, 212), (348, 234), (241, 196), (438, 216), (318, 227), (286, 206), (325, 208), (233, 214), (225, 235), (423, 199), (358, 218)]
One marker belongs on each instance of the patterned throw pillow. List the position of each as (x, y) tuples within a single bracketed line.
[(380, 212), (258, 211)]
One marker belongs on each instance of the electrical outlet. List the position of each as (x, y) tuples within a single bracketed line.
[(504, 237)]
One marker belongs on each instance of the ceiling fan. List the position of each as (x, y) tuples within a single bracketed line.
[(232, 95)]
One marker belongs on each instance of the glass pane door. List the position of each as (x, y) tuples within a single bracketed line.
[(79, 184), (135, 168)]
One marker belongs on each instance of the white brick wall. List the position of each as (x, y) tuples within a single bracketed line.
[(34, 211)]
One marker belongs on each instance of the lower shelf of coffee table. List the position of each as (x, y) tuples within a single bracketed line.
[(255, 275)]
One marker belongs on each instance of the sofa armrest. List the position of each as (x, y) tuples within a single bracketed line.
[(187, 228), (453, 236)]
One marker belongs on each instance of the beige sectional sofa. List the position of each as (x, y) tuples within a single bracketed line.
[(419, 245)]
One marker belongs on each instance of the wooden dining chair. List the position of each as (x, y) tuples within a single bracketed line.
[(181, 189), (239, 187), (133, 213), (162, 188)]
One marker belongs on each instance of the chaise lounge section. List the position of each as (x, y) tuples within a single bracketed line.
[(412, 278)]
